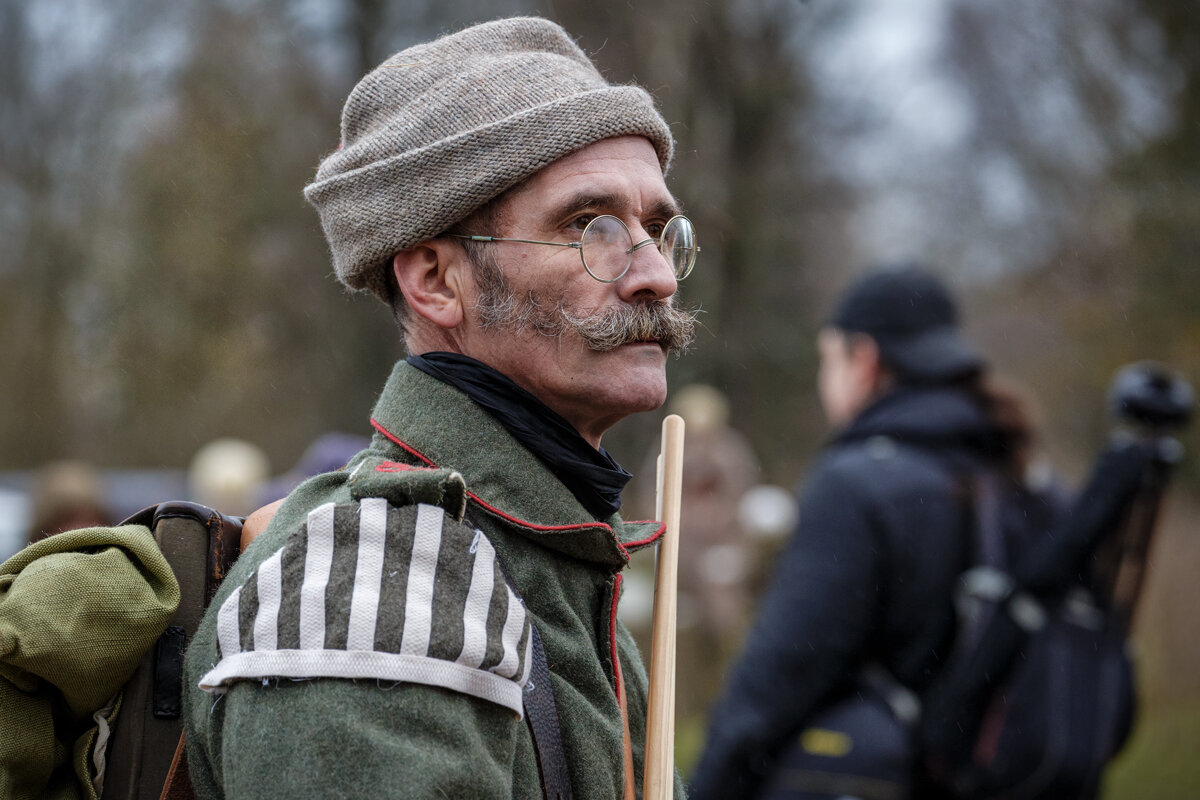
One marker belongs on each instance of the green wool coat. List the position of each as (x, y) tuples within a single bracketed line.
[(368, 644)]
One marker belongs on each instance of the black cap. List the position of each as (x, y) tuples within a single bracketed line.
[(913, 319)]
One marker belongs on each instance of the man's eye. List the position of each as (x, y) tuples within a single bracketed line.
[(654, 229), (580, 222)]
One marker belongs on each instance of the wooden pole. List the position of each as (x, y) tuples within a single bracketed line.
[(659, 778)]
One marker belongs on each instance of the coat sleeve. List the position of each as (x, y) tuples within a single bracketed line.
[(813, 625), (336, 738), (379, 647)]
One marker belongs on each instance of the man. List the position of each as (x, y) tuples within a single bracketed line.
[(384, 636), (869, 576)]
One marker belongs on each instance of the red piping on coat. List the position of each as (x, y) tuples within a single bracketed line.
[(654, 537), (617, 578), (524, 523), (377, 425), (612, 633), (395, 466)]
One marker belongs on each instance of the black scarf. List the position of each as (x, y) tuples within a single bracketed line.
[(592, 475)]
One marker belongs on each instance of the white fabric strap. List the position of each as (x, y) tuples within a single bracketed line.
[(365, 665), (317, 564), (368, 574), (514, 624), (479, 600), (528, 656), (228, 636), (270, 595), (422, 569)]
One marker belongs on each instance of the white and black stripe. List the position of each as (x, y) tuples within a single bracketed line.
[(377, 592), (422, 568), (318, 561), (368, 574)]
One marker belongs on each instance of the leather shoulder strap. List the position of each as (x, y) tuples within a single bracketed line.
[(178, 785)]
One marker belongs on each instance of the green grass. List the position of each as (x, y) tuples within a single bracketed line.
[(690, 732), (1162, 759), (1160, 762)]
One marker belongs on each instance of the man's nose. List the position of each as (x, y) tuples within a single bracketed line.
[(650, 276)]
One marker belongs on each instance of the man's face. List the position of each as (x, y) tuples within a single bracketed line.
[(543, 326), (848, 377)]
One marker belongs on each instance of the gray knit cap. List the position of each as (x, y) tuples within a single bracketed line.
[(441, 128)]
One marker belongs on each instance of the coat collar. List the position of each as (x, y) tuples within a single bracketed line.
[(423, 421)]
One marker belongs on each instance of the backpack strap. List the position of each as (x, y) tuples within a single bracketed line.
[(541, 713), (200, 544), (987, 583), (990, 584), (989, 534), (178, 785)]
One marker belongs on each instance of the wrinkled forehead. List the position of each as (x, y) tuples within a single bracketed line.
[(620, 176)]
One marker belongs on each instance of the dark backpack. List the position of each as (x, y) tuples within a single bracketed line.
[(1047, 720), (1035, 698)]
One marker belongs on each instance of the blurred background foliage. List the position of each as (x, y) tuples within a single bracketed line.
[(163, 283)]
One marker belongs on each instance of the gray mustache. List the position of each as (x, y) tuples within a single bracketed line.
[(664, 324), (499, 306)]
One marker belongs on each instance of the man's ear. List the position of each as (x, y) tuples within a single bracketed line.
[(867, 363), (432, 276), (882, 377)]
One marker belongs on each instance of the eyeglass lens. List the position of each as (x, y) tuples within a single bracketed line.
[(678, 245), (607, 247)]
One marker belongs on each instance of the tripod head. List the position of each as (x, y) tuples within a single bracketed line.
[(1151, 398)]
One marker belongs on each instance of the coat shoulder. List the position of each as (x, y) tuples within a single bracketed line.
[(392, 586)]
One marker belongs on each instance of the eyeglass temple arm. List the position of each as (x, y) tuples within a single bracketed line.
[(575, 245)]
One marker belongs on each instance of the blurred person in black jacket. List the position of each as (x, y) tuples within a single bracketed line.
[(884, 527)]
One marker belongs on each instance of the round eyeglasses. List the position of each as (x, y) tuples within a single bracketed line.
[(606, 246)]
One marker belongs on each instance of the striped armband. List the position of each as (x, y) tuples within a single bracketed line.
[(370, 591)]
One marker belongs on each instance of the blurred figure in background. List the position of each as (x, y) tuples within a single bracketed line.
[(14, 521), (715, 556), (884, 527), (227, 475), (718, 468), (65, 496)]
